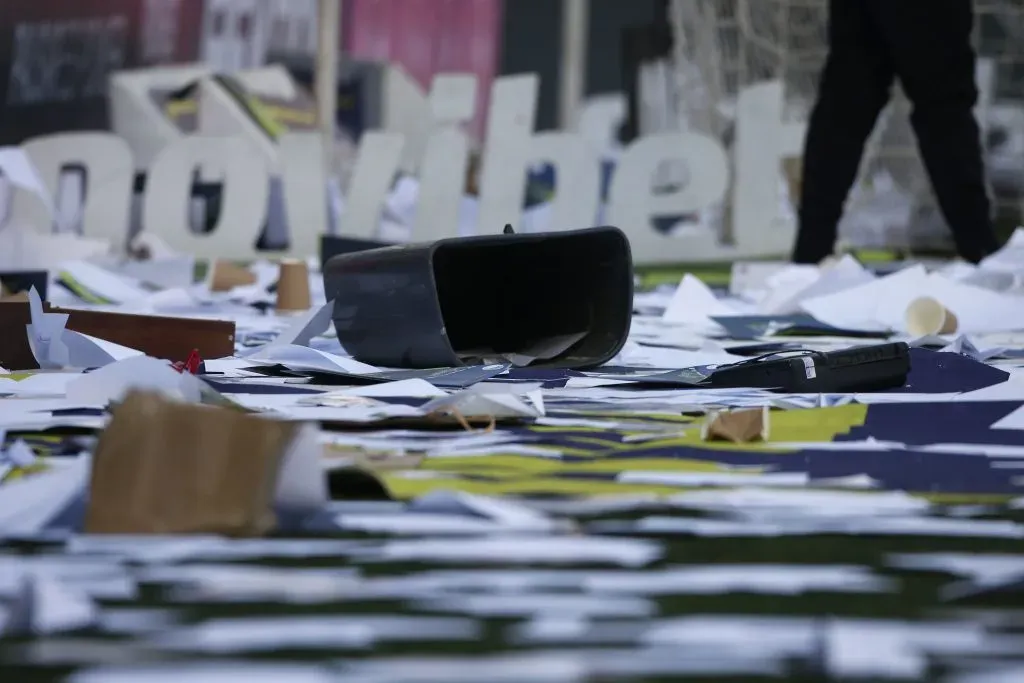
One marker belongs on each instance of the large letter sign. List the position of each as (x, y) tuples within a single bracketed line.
[(109, 174), (301, 157), (243, 207), (443, 168), (632, 203), (749, 181), (512, 146)]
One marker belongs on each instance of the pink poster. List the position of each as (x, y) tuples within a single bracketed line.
[(366, 28), (414, 37), (428, 37)]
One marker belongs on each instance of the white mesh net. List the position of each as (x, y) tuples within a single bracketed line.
[(723, 45)]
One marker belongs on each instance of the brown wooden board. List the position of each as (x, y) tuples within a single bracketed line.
[(157, 336)]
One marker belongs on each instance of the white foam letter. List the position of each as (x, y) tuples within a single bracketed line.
[(443, 169), (110, 176), (244, 196), (633, 201), (512, 146)]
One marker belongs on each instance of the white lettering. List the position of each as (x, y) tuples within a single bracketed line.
[(446, 153), (109, 176), (301, 159), (376, 165), (512, 146), (243, 204), (763, 139), (633, 201)]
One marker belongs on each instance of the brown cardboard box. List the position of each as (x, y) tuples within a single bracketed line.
[(163, 467)]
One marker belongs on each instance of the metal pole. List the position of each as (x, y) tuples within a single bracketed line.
[(572, 74), (326, 80)]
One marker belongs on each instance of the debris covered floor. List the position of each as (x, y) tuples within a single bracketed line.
[(509, 523)]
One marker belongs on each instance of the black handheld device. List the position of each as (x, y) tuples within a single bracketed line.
[(860, 368)]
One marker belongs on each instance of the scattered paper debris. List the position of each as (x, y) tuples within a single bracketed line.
[(44, 606)]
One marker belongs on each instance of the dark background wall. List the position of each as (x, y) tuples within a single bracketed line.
[(54, 56), (532, 32)]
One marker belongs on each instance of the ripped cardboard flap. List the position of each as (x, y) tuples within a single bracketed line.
[(737, 426), (163, 467)]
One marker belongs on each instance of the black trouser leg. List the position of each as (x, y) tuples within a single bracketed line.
[(854, 88), (930, 44)]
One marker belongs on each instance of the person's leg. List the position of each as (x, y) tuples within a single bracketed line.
[(930, 41), (853, 90)]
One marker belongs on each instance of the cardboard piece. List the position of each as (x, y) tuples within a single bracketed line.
[(926, 316), (163, 467), (7, 295), (293, 286), (225, 276), (15, 282), (737, 426), (158, 336)]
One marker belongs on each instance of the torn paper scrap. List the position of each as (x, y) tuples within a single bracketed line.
[(29, 504), (56, 348), (46, 606), (143, 373), (485, 403), (302, 330), (94, 284), (694, 302), (44, 334)]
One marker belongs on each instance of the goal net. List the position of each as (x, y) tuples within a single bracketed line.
[(723, 45)]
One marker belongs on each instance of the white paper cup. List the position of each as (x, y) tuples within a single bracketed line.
[(926, 316)]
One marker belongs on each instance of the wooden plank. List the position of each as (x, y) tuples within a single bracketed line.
[(157, 336)]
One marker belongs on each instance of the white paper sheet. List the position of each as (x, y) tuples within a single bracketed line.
[(300, 330), (171, 272), (860, 307), (694, 303), (45, 606), (17, 169), (140, 373), (845, 274), (28, 504), (301, 485), (22, 248), (98, 281), (884, 302), (305, 359)]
